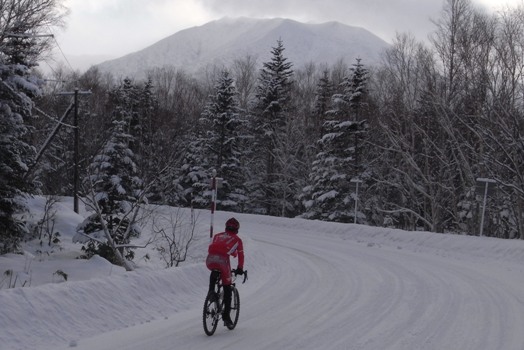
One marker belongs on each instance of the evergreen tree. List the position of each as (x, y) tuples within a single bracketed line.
[(323, 96), (273, 92), (136, 104), (193, 178), (269, 188), (351, 105), (356, 86), (19, 52), (15, 156), (127, 99), (329, 195), (222, 123), (114, 191)]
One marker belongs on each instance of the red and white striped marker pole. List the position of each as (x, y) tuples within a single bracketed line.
[(213, 201)]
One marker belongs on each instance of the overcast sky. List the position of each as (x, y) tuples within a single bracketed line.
[(118, 27)]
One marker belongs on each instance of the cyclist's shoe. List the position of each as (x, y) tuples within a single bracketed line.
[(227, 321)]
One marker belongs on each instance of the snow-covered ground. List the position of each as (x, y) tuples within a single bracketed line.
[(312, 285)]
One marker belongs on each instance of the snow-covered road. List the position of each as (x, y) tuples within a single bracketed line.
[(317, 285)]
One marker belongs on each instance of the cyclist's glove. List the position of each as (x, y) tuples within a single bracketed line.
[(239, 271)]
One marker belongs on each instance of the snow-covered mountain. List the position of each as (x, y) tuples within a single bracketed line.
[(222, 41)]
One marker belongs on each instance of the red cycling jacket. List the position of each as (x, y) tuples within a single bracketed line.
[(227, 243)]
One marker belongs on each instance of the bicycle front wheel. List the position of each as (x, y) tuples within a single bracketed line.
[(235, 308), (210, 314)]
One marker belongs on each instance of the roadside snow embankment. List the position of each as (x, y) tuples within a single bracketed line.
[(58, 313)]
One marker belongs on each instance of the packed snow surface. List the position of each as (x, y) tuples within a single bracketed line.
[(312, 285)]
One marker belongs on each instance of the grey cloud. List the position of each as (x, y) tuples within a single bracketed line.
[(382, 17)]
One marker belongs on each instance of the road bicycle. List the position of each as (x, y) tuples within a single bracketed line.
[(214, 304)]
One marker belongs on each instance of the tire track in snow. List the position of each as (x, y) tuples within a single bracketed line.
[(400, 300)]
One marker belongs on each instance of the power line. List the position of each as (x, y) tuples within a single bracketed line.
[(60, 49), (63, 55), (58, 121)]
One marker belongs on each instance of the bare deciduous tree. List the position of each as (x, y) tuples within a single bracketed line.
[(22, 18), (174, 240)]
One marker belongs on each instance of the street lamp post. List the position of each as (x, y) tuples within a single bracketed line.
[(485, 187), (356, 181), (216, 183)]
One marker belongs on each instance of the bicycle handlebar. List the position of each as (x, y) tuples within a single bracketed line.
[(245, 275)]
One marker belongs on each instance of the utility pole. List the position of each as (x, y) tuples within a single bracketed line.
[(76, 143)]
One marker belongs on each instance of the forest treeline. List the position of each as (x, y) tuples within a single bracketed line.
[(408, 143)]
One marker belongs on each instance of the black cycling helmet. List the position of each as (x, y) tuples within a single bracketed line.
[(232, 225)]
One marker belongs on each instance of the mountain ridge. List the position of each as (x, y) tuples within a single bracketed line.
[(222, 41)]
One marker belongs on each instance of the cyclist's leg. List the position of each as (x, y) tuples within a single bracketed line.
[(226, 315), (213, 278), (225, 274)]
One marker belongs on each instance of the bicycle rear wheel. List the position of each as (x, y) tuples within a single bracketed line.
[(235, 308), (211, 314)]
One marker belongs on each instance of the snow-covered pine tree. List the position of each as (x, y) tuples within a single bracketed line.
[(357, 98), (329, 196), (114, 191), (135, 104), (350, 104), (323, 96), (193, 179), (145, 130), (19, 52), (269, 187), (15, 156), (221, 120), (126, 98)]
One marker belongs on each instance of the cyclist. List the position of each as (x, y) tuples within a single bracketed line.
[(223, 245)]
